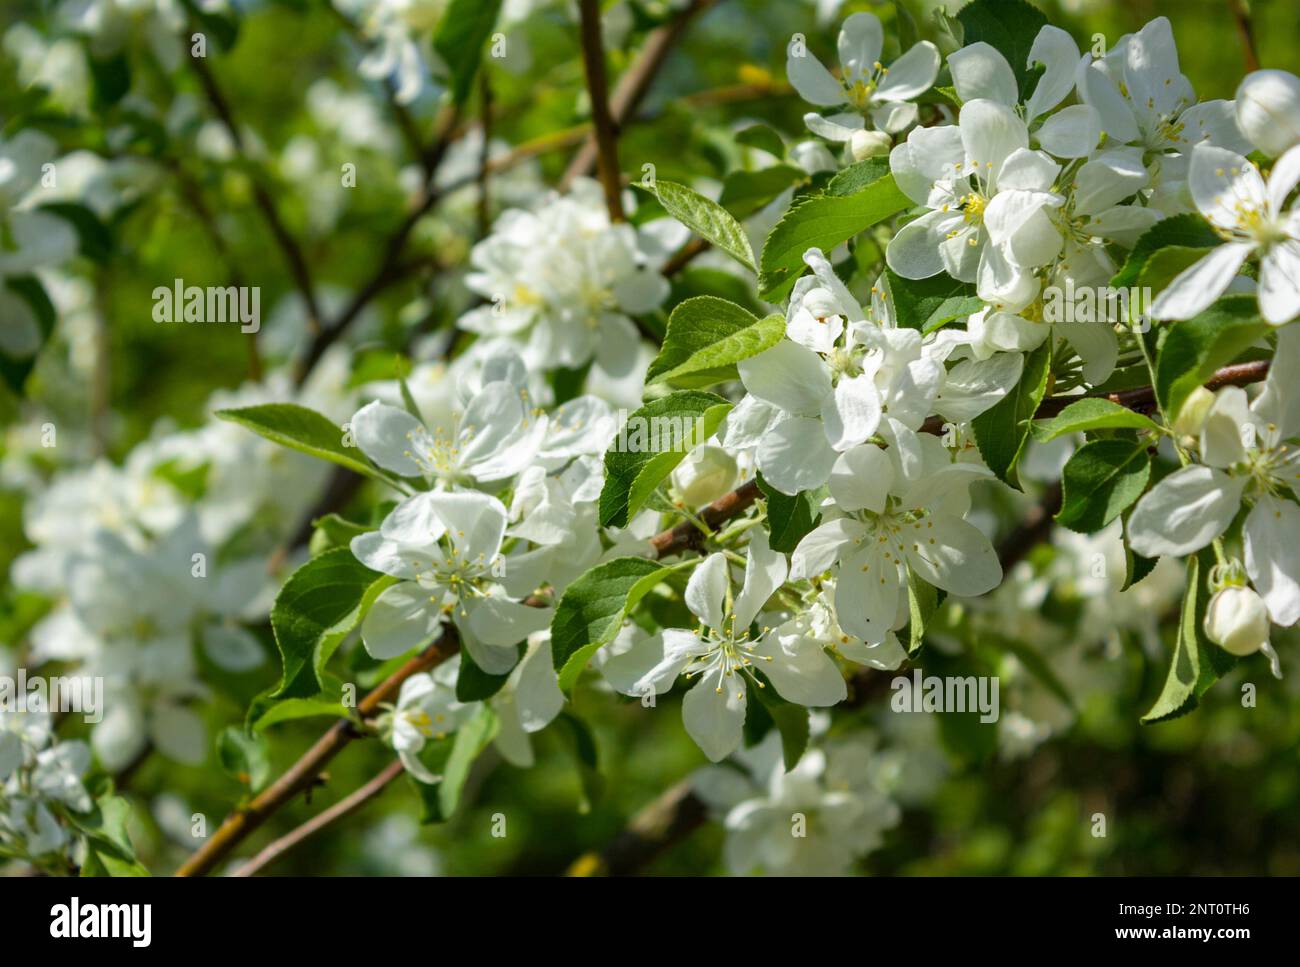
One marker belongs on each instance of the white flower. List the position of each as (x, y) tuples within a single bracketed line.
[(991, 200), (426, 710), (889, 527), (722, 655), (1237, 621), (1268, 110), (445, 547), (529, 701), (980, 72), (494, 438), (1143, 97), (841, 812), (1245, 456), (1248, 213), (817, 626), (562, 281), (864, 84)]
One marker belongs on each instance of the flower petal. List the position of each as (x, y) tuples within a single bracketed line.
[(1184, 512)]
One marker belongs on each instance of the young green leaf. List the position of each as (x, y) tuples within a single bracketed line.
[(303, 429), (789, 519), (745, 192), (592, 610), (1196, 347), (824, 221), (1010, 27), (1100, 481), (1197, 663), (1091, 414), (707, 219), (464, 29), (654, 440), (1188, 231), (706, 337), (320, 604), (1001, 430)]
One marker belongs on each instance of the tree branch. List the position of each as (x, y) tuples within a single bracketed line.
[(634, 83), (344, 807), (593, 60)]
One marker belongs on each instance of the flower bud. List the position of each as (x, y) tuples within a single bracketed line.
[(1237, 620), (706, 474), (869, 144), (1191, 416), (1268, 110)]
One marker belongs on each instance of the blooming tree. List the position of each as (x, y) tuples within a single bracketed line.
[(990, 375)]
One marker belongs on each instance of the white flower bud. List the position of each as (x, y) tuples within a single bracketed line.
[(1191, 416), (869, 144), (1268, 110), (1237, 620), (706, 474)]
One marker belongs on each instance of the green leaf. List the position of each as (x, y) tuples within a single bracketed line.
[(1009, 26), (105, 830), (592, 610), (300, 428), (1164, 265), (930, 304), (654, 440), (1001, 431), (707, 219), (706, 337), (791, 721), (1100, 481), (266, 711), (1196, 347), (764, 138), (473, 684), (1189, 231), (94, 239), (459, 39), (111, 79), (789, 519), (245, 756), (923, 601), (320, 604), (28, 288), (442, 798), (584, 753), (824, 221), (745, 192), (1091, 414), (333, 531), (1197, 662)]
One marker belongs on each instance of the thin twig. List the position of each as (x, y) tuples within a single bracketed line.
[(1246, 31), (593, 59), (635, 82), (344, 807)]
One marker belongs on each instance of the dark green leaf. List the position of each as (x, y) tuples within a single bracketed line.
[(1001, 431), (461, 35), (1100, 481)]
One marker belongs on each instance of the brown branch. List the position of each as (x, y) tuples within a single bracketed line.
[(593, 59), (344, 807), (1246, 31), (635, 82), (303, 773), (685, 255)]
